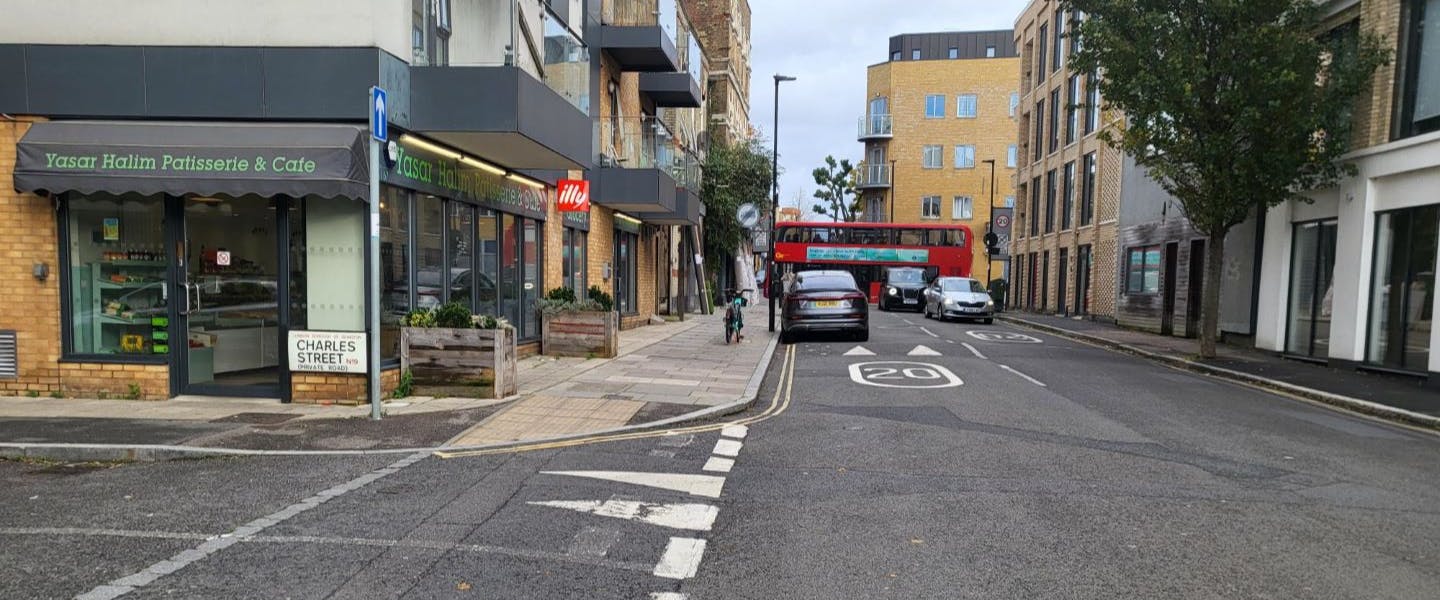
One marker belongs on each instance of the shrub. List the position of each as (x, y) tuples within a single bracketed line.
[(454, 316), (548, 306), (600, 297), (561, 294), (420, 317), (405, 386), (485, 322)]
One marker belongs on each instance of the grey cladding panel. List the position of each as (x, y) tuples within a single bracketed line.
[(12, 69), (87, 80), (199, 82), (310, 83)]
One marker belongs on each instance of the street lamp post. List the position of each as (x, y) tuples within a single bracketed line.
[(990, 227), (774, 199)]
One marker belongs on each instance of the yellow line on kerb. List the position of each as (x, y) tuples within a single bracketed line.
[(778, 404)]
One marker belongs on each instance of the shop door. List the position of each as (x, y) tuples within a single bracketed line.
[(1167, 304), (230, 309)]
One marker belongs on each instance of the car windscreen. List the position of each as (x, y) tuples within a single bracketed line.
[(963, 285), (906, 276), (826, 282)]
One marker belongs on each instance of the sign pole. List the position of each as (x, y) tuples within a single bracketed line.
[(379, 132)]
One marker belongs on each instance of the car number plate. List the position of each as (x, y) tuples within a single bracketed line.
[(827, 304), (912, 300)]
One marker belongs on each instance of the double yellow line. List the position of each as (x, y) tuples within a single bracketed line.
[(778, 403)]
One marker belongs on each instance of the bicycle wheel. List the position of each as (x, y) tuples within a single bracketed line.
[(728, 332)]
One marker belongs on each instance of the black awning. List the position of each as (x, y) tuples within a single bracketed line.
[(266, 159)]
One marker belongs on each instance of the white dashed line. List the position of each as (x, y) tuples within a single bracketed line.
[(668, 596), (973, 350), (718, 465), (725, 447), (1026, 377), (681, 559), (929, 333), (735, 431)]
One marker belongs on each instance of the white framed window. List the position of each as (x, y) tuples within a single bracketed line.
[(989, 52), (934, 106), (966, 106), (1012, 154), (1009, 202), (1014, 103), (931, 158), (965, 157), (962, 207), (954, 53), (930, 207)]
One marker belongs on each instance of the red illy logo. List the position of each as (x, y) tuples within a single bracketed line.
[(573, 195)]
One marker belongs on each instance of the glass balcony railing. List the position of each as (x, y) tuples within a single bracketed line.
[(875, 126), (872, 176), (567, 63), (687, 171), (637, 143)]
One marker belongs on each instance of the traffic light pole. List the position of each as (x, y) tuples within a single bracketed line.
[(990, 229)]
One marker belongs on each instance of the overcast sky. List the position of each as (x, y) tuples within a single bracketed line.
[(828, 45)]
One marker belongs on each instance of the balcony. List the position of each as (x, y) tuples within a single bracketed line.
[(674, 90), (637, 166), (874, 127), (872, 177), (632, 33)]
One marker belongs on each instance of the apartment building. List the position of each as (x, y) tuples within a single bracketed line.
[(1349, 278), (723, 27), (937, 110), (186, 198)]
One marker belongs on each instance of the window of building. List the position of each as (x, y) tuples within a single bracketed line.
[(931, 156), (574, 260), (1042, 38), (915, 54), (510, 268), (460, 246), (1067, 205), (1087, 189), (1092, 103), (895, 55), (1142, 270), (626, 274), (954, 53), (1059, 47), (930, 207), (966, 106), (934, 106), (487, 246), (1054, 120), (1072, 109), (1011, 156), (1050, 193), (1420, 84), (1009, 202), (1076, 16), (1039, 118), (965, 157), (1402, 288), (1312, 267), (117, 265), (531, 242), (432, 282), (1034, 215), (430, 32), (394, 266), (1014, 103), (962, 207), (989, 52)]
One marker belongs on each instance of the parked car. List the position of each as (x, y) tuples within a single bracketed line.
[(903, 288), (958, 297), (821, 301)]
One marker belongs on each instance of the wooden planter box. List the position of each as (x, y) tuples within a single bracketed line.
[(584, 334), (450, 356)]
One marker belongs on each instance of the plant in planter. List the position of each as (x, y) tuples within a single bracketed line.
[(450, 346), (578, 327)]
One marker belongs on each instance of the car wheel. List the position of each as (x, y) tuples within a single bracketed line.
[(863, 336), (988, 320)]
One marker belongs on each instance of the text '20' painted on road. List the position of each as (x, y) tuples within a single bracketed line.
[(903, 374)]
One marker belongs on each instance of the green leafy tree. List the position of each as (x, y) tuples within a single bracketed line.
[(734, 175), (1232, 106), (837, 190)]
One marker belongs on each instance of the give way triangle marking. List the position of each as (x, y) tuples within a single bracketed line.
[(695, 485), (922, 351), (858, 351)]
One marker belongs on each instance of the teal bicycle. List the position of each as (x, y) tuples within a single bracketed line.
[(734, 317)]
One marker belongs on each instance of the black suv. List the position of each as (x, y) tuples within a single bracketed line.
[(903, 288)]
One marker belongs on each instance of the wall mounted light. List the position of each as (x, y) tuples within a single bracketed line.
[(41, 271)]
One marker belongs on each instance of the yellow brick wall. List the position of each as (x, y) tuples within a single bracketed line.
[(1373, 111), (339, 388), (906, 84)]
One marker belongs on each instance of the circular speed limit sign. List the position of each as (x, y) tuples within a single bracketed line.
[(1002, 221), (748, 215)]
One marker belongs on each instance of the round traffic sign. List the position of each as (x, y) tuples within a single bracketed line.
[(747, 215), (1002, 221)]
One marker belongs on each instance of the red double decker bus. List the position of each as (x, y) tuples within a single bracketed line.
[(865, 248)]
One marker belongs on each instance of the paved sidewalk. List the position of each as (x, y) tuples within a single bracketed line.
[(1252, 365)]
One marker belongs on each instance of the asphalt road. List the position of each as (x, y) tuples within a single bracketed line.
[(1029, 468)]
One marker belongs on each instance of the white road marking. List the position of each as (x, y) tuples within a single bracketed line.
[(696, 485), (663, 453), (668, 596), (129, 583), (929, 333), (1026, 377), (681, 559), (922, 351), (858, 351), (593, 541), (695, 517), (131, 533), (677, 441), (974, 351), (907, 321), (986, 335), (735, 431), (725, 447), (718, 465), (903, 374)]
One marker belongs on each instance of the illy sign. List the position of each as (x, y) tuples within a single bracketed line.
[(573, 195)]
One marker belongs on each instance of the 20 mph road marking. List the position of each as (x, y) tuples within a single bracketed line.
[(1022, 375), (903, 374)]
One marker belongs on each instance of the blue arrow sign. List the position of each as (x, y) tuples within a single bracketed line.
[(379, 122)]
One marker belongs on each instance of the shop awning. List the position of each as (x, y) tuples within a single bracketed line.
[(267, 159)]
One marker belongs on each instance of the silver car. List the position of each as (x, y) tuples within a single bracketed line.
[(958, 297)]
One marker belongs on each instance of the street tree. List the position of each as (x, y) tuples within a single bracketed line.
[(1233, 106), (837, 190), (734, 175)]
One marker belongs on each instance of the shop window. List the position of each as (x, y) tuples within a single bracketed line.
[(510, 268), (625, 272), (460, 244), (117, 266), (487, 246), (1312, 265), (1402, 288), (573, 260), (1142, 270), (432, 281), (394, 266), (332, 265)]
